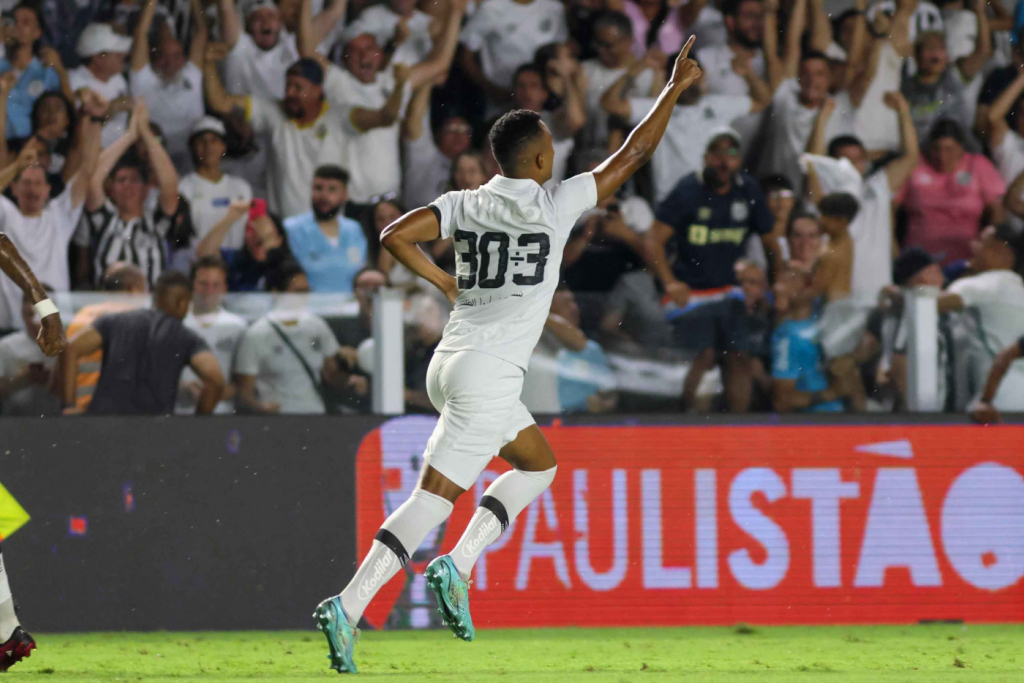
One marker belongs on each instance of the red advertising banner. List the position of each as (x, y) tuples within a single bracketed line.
[(719, 525)]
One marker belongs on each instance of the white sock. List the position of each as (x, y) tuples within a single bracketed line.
[(8, 619), (399, 537), (501, 504)]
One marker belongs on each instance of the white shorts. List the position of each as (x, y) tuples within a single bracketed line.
[(478, 398)]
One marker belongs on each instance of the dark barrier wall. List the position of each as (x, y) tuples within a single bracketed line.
[(246, 523), (178, 523)]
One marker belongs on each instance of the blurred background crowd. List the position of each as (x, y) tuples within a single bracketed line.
[(834, 155)]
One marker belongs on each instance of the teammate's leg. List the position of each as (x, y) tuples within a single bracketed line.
[(15, 642), (534, 469)]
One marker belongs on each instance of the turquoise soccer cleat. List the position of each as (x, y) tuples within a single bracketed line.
[(452, 593), (341, 635)]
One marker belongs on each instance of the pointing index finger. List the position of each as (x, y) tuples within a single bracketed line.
[(684, 53)]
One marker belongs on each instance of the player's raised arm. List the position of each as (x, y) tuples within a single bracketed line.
[(644, 139), (401, 237), (51, 333)]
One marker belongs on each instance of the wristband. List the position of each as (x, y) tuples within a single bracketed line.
[(46, 307)]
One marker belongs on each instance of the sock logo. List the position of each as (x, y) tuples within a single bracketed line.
[(475, 545), (369, 585)]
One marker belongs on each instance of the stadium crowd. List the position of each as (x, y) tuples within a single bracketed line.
[(833, 154)]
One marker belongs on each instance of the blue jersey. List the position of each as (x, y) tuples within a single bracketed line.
[(797, 355), (329, 267), (33, 82)]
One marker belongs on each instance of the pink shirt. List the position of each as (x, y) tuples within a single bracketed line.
[(944, 209), (670, 36)]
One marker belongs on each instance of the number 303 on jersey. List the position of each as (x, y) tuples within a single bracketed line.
[(485, 257)]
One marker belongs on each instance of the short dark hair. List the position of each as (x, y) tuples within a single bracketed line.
[(171, 279), (615, 20), (841, 205), (529, 67), (53, 94), (840, 141), (370, 269), (731, 8), (209, 262), (946, 128), (511, 132), (130, 160), (1006, 233), (332, 172), (814, 54), (279, 280), (776, 182), (120, 280), (800, 214)]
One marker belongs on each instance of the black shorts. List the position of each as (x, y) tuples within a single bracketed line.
[(722, 325)]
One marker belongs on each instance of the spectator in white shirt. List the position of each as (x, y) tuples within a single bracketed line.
[(287, 356), (995, 292), (374, 159), (305, 130), (428, 155), (258, 56), (102, 71), (531, 92), (25, 370), (502, 36), (208, 190), (42, 229), (402, 30), (220, 329), (171, 86), (613, 36), (696, 118)]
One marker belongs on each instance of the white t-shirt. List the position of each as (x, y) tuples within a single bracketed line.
[(379, 21), (18, 351), (175, 106), (716, 63), (509, 236), (789, 128), (1009, 156), (599, 79), (43, 243), (681, 151), (222, 331), (209, 203), (295, 151), (426, 170), (249, 70), (374, 164), (280, 375), (112, 89), (877, 126), (997, 298), (508, 33)]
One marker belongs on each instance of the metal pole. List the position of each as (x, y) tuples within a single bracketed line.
[(388, 352), (923, 350)]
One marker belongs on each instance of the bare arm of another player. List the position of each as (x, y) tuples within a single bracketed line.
[(206, 367), (983, 411), (51, 334), (641, 143), (400, 239), (86, 341)]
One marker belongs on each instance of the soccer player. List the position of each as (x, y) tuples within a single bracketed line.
[(509, 236), (15, 642)]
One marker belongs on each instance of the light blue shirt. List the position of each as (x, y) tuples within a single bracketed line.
[(329, 268), (33, 82), (581, 374)]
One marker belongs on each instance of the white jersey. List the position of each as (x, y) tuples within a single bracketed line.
[(509, 236)]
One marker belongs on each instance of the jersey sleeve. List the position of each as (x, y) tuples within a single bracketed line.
[(444, 208), (573, 197), (194, 344), (975, 289)]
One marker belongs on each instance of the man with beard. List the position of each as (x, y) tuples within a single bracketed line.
[(304, 130), (330, 247), (260, 51), (725, 65), (710, 215)]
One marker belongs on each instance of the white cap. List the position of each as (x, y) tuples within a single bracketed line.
[(835, 52), (97, 38), (725, 131), (209, 124)]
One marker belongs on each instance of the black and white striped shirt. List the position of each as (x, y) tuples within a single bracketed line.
[(142, 242)]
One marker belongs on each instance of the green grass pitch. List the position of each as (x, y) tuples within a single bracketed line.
[(932, 653)]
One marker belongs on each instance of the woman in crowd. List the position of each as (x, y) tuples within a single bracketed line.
[(951, 195)]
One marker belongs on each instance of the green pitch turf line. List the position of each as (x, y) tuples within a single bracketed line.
[(835, 654)]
